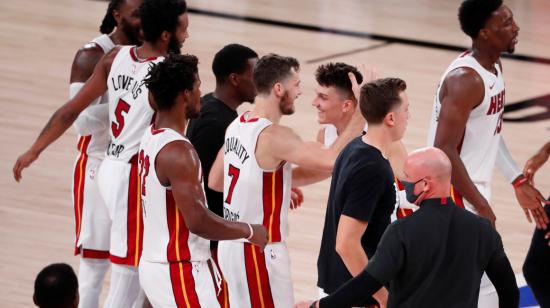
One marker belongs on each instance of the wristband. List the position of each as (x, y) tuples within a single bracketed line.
[(251, 231), (519, 182)]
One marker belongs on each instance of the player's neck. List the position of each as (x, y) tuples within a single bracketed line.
[(378, 137), (343, 123), (151, 50), (485, 56), (266, 107), (227, 96), (174, 120), (119, 38)]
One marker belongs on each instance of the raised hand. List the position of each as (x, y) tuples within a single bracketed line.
[(369, 74)]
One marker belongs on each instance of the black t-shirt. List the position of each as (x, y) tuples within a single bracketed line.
[(207, 133), (434, 258), (362, 188)]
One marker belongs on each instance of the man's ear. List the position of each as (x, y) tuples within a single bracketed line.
[(117, 16), (233, 79), (347, 106), (389, 119), (278, 89), (483, 34), (165, 36)]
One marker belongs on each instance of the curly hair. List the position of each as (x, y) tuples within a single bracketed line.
[(160, 15), (473, 14), (336, 75), (170, 77), (379, 97), (109, 23)]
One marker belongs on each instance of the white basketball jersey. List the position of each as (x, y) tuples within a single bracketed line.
[(166, 238), (481, 137), (94, 145), (129, 110), (252, 194), (331, 133)]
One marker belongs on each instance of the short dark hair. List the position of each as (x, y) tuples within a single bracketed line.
[(473, 15), (379, 97), (108, 23), (232, 58), (55, 286), (271, 69), (168, 78), (160, 15), (336, 75)]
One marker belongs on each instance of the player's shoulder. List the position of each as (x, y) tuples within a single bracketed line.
[(464, 75)]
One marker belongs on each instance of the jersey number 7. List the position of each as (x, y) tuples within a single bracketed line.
[(233, 172)]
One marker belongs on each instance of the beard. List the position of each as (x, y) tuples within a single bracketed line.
[(286, 106), (132, 33), (191, 112), (174, 45)]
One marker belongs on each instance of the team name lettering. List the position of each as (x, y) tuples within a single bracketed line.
[(234, 145), (127, 83), (114, 149), (497, 103), (229, 215)]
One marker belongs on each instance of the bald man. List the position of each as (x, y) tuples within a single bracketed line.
[(435, 257)]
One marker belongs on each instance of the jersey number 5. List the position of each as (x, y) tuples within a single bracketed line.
[(233, 172), (116, 127)]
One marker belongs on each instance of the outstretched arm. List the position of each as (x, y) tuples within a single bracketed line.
[(64, 117)]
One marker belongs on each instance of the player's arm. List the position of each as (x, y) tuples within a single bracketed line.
[(461, 91), (177, 165), (302, 176), (284, 144), (529, 198), (215, 177), (96, 117), (64, 117)]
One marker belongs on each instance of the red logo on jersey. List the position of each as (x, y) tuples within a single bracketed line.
[(497, 103)]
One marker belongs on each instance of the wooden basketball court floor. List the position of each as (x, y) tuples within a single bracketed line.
[(413, 40)]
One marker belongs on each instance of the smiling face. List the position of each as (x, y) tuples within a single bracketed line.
[(291, 91)]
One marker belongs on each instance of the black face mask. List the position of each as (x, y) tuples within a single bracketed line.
[(409, 190)]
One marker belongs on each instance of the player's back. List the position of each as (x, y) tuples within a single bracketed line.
[(129, 110), (481, 136), (252, 194), (166, 238)]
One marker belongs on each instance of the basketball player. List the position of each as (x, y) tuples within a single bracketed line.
[(176, 268), (121, 71), (335, 104), (91, 216), (467, 118), (257, 157)]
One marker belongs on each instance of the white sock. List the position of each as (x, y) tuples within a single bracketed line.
[(124, 287), (90, 281)]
